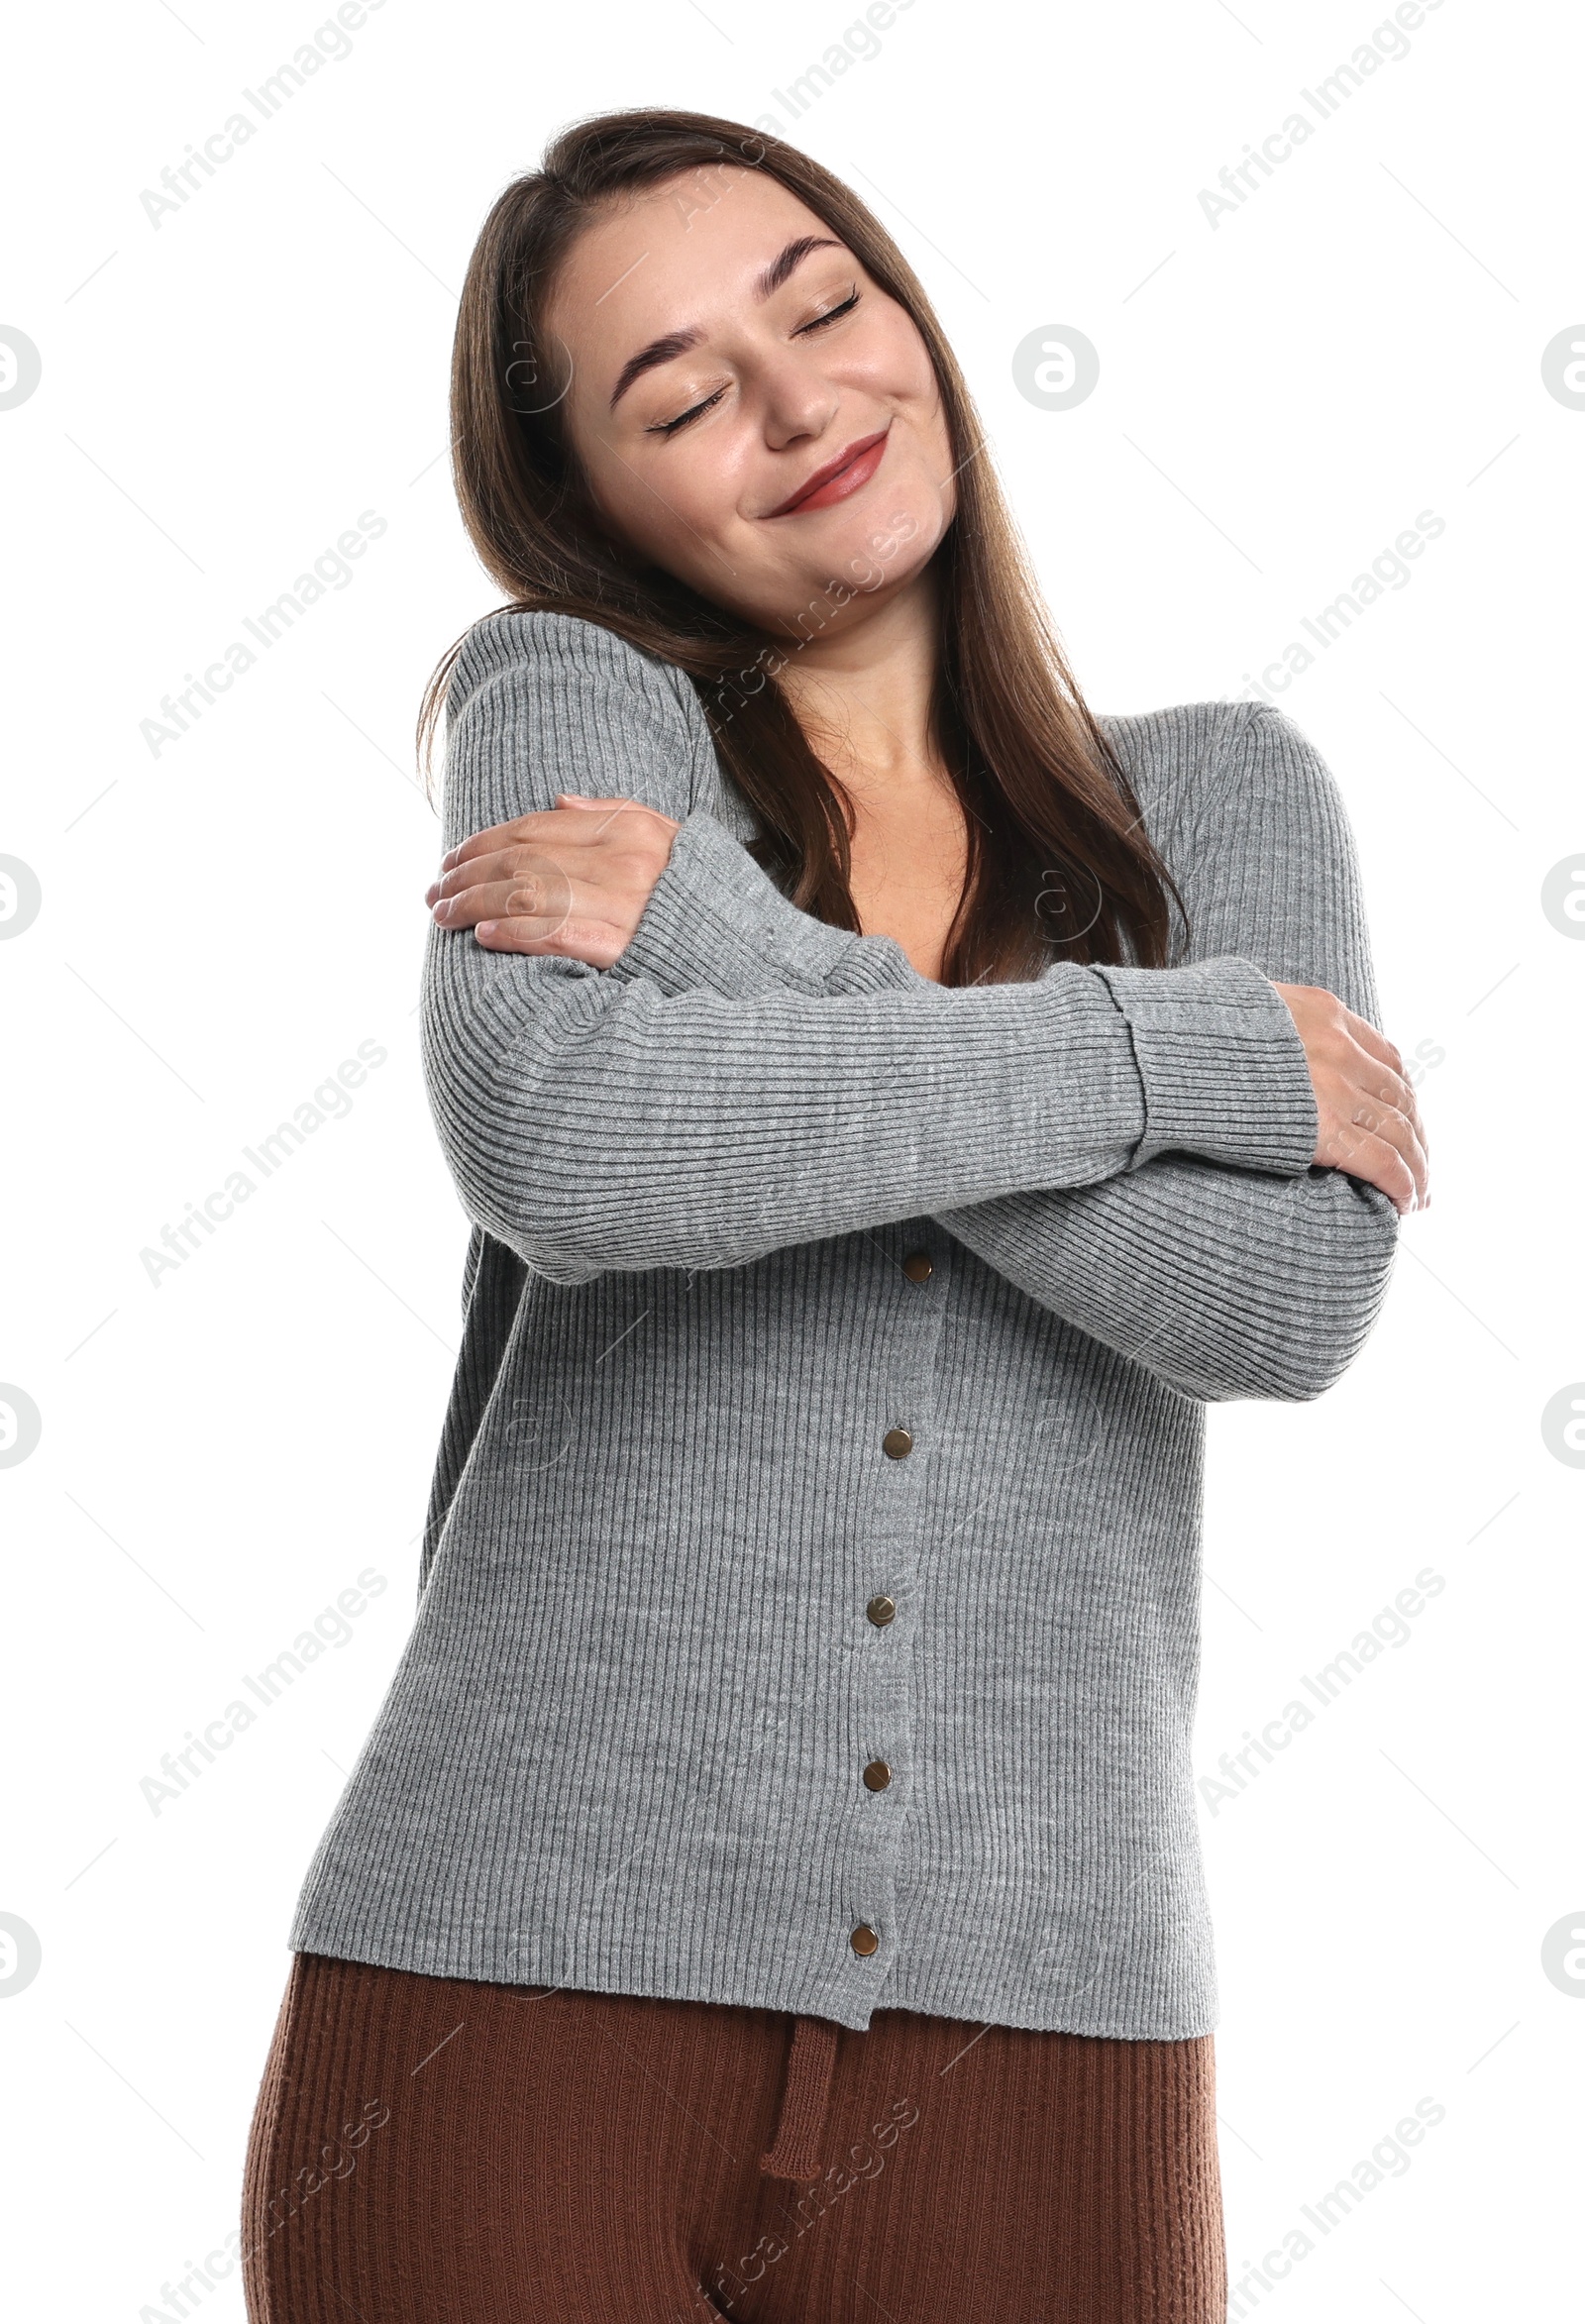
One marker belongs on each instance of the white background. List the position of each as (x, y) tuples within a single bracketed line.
[(1280, 395)]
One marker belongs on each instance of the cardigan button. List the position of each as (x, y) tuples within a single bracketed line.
[(916, 1267), (877, 1775), (881, 1611), (864, 1940), (896, 1444)]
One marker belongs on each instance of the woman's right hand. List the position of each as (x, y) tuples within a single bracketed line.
[(1369, 1123), (574, 879)]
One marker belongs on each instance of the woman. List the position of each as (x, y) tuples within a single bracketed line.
[(771, 1888)]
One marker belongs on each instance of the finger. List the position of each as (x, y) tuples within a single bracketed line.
[(1402, 1124), (489, 841), (1400, 1133), (1362, 1151), (521, 864), (590, 940), (1363, 1117), (1380, 1164), (522, 831), (548, 831), (1374, 1044), (1379, 1079), (551, 901), (1367, 1131)]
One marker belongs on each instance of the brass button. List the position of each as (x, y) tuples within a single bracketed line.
[(896, 1444), (881, 1611), (916, 1267), (877, 1775), (864, 1940)]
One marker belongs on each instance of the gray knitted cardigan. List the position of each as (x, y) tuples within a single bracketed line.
[(706, 1425)]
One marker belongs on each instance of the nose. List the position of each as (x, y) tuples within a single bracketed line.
[(799, 405)]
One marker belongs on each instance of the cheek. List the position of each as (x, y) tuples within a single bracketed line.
[(894, 362), (667, 501)]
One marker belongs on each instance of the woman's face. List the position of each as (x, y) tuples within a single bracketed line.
[(753, 413)]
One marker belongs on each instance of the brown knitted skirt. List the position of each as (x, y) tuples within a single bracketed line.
[(437, 2151)]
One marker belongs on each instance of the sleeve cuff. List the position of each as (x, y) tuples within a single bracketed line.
[(1223, 1068), (715, 919)]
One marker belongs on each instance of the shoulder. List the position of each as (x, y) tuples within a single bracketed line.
[(538, 703), (1183, 749), (559, 653), (1203, 769)]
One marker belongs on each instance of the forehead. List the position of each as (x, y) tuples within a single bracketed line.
[(683, 253)]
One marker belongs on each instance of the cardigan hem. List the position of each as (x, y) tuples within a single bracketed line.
[(1025, 2016)]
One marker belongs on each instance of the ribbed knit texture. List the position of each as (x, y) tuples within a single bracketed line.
[(623, 1748), (589, 2159), (796, 2151)]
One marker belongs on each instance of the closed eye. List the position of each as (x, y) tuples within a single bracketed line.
[(694, 410), (819, 322), (670, 427)]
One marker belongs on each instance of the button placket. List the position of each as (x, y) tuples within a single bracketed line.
[(915, 1265)]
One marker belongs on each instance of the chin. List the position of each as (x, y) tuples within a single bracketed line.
[(877, 552), (885, 549)]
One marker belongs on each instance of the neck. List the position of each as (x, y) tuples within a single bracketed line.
[(862, 692)]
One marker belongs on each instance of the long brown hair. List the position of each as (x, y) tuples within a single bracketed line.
[(1059, 864)]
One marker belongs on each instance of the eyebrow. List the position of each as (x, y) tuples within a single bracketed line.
[(675, 342)]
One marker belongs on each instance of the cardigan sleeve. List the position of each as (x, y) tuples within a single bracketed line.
[(1222, 1281), (597, 1120)]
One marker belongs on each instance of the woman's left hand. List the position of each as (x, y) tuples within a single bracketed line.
[(573, 880)]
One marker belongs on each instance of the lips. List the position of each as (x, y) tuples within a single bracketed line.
[(838, 478)]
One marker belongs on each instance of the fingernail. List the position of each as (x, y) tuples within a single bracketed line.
[(448, 858), (431, 891)]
